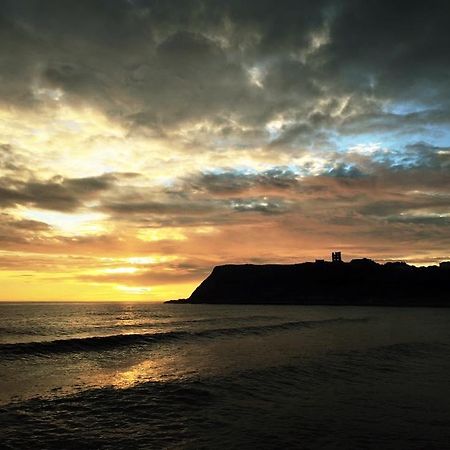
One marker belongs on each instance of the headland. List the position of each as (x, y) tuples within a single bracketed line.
[(358, 282)]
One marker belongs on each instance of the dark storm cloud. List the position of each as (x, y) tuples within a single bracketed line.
[(182, 212), (159, 207), (423, 155), (402, 123), (58, 193), (403, 208), (13, 164), (60, 42), (418, 164), (231, 181), (397, 49), (158, 63), (9, 197)]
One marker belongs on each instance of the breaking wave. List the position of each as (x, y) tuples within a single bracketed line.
[(100, 343)]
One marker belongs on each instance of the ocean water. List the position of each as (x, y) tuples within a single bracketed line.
[(154, 376)]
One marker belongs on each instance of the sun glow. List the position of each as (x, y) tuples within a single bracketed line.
[(135, 290), (121, 270), (73, 224), (162, 234)]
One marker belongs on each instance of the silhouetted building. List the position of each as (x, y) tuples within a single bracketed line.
[(444, 265), (336, 257), (320, 261)]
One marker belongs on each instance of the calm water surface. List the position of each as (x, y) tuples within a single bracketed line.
[(155, 376)]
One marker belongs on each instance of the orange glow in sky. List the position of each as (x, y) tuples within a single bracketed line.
[(135, 155)]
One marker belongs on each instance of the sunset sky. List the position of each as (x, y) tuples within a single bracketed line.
[(143, 142)]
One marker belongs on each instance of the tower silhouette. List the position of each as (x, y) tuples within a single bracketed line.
[(336, 257)]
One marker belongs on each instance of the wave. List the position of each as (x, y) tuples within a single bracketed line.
[(224, 319), (150, 323), (99, 343)]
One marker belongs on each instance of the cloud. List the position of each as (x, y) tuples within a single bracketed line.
[(18, 231), (400, 60), (58, 193), (232, 181), (324, 65)]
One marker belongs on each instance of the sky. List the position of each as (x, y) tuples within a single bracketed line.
[(143, 142)]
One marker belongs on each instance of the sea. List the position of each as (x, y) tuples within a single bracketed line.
[(177, 376)]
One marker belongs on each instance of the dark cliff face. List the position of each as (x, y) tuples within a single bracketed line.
[(361, 282)]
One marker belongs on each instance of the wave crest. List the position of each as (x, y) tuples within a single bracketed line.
[(100, 343)]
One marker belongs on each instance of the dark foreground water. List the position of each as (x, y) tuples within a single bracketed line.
[(138, 376)]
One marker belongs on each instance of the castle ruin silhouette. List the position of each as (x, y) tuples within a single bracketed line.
[(336, 257)]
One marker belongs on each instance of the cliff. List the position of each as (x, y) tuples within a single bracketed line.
[(360, 282)]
